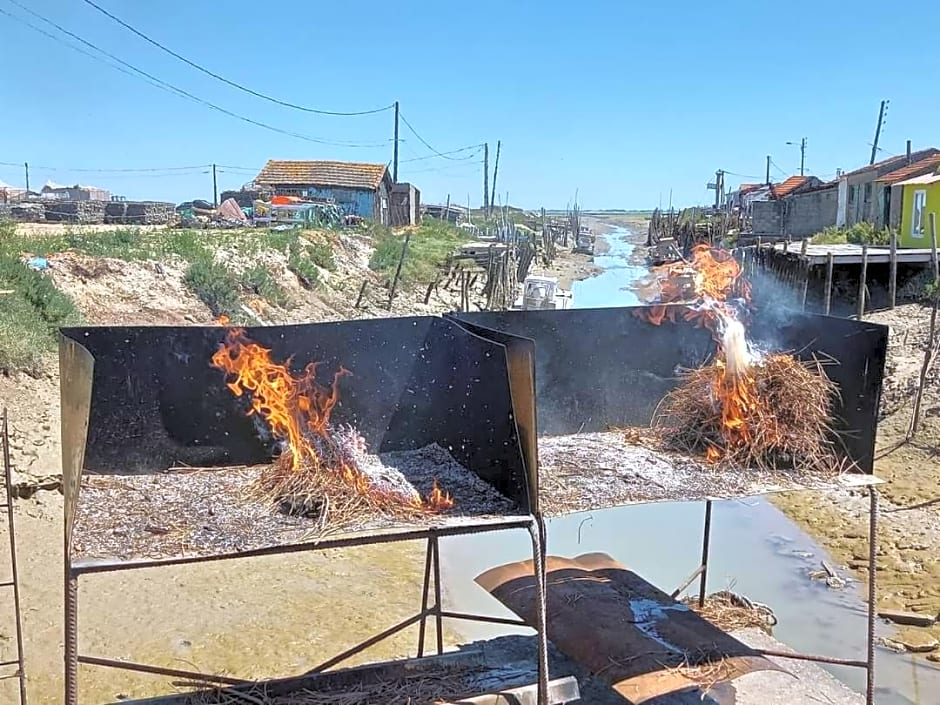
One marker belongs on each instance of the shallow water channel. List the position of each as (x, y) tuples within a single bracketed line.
[(755, 551)]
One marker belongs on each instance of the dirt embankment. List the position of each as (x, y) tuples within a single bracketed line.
[(251, 619), (908, 562)]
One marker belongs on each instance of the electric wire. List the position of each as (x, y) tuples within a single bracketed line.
[(227, 81)]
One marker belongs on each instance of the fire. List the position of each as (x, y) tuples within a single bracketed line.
[(707, 283), (297, 410)]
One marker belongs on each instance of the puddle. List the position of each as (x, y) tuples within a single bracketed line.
[(755, 551), (607, 289)]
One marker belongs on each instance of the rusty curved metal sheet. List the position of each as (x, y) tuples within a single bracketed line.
[(623, 629)]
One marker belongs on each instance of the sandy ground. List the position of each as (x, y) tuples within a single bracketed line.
[(254, 618)]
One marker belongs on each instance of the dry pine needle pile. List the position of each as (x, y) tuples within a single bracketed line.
[(788, 423)]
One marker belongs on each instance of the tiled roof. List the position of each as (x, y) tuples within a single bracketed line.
[(923, 179), (896, 162), (789, 186), (747, 188), (913, 169), (343, 174)]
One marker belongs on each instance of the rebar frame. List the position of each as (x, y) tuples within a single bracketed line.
[(869, 663), (14, 582), (432, 580)]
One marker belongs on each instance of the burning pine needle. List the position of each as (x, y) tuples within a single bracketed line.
[(321, 471), (773, 415)]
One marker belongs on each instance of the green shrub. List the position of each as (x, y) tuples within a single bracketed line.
[(30, 315), (214, 284), (260, 281), (321, 253), (302, 266), (857, 234)]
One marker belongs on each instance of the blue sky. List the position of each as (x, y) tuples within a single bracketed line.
[(621, 101)]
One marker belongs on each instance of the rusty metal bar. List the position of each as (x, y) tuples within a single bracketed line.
[(425, 590), (161, 671), (438, 595), (71, 637), (538, 533), (688, 581), (92, 567), (371, 641), (14, 582), (872, 594), (854, 663), (486, 619), (706, 540)]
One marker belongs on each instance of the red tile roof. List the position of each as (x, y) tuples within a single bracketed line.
[(747, 188), (320, 173), (788, 186), (914, 169)]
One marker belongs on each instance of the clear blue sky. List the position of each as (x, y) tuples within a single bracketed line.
[(621, 100)]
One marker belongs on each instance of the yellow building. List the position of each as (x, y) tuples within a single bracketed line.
[(920, 198)]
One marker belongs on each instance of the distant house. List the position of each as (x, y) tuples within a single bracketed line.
[(888, 191), (454, 214), (799, 207), (357, 189), (920, 197), (74, 193), (863, 198)]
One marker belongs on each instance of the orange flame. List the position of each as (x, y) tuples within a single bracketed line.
[(296, 408), (223, 320), (710, 278)]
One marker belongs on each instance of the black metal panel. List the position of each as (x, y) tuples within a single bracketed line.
[(157, 401), (609, 367)]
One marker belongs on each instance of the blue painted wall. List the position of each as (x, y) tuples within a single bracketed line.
[(349, 201)]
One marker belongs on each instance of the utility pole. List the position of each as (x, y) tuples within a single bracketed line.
[(881, 117), (486, 180), (495, 172), (802, 155), (767, 178), (215, 188), (26, 166), (395, 159), (719, 181)]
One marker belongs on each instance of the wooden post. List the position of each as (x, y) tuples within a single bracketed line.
[(803, 245), (362, 292), (401, 261), (862, 281), (928, 355), (829, 263), (786, 245), (805, 282), (893, 275), (933, 246), (427, 294)]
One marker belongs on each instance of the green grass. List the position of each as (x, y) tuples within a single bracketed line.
[(858, 234), (31, 314), (431, 245)]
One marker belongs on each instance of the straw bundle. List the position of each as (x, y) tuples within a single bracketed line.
[(786, 422)]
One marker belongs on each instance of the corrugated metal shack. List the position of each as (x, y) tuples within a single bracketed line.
[(357, 189)]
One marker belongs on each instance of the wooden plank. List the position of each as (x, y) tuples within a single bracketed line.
[(560, 691)]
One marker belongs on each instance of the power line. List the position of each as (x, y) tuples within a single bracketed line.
[(110, 171), (774, 164), (443, 155), (477, 147), (227, 81), (180, 91)]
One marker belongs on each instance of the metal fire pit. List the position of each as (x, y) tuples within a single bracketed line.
[(145, 399), (599, 369)]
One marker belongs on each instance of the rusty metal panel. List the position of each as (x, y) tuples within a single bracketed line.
[(622, 629), (76, 370)]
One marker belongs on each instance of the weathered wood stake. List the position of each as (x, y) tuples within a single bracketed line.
[(862, 281), (829, 263), (401, 261), (362, 292), (805, 282), (893, 275), (933, 246), (924, 369)]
